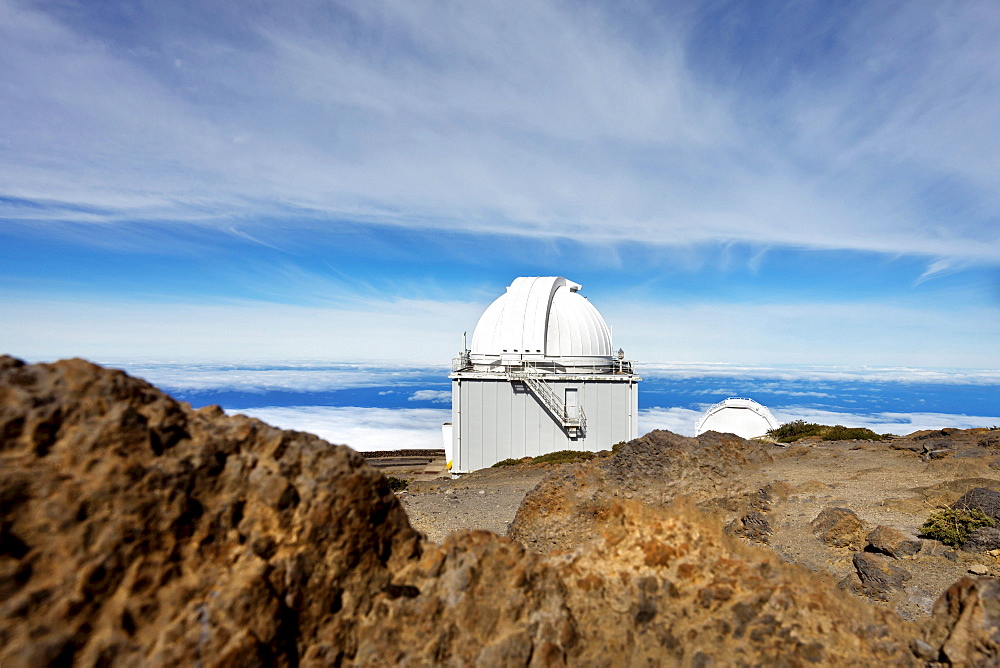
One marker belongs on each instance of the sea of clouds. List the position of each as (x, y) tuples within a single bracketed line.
[(364, 429), (386, 407)]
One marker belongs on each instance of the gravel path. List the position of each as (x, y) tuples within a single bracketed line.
[(486, 499)]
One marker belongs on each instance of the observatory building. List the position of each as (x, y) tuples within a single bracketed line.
[(540, 376), (736, 415)]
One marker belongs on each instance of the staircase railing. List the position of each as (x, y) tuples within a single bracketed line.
[(538, 387)]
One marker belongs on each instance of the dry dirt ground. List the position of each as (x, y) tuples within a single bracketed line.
[(486, 499), (885, 487), (895, 484)]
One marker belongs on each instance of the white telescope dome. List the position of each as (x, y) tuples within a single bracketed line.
[(538, 318), (736, 415)]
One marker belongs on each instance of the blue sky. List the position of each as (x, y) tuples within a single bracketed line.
[(800, 183)]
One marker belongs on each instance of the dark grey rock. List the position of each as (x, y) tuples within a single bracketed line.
[(878, 576), (982, 499), (983, 539)]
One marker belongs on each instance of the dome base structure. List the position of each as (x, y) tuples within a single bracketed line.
[(540, 377)]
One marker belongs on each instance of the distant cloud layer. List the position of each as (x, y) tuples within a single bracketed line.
[(364, 429), (276, 376), (436, 396), (318, 376), (369, 429)]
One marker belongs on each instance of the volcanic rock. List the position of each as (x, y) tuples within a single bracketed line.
[(990, 441), (983, 539), (980, 498), (753, 526), (966, 622), (892, 542), (655, 469), (138, 531), (878, 576), (840, 527)]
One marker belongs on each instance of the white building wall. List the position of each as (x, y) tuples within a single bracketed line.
[(495, 419)]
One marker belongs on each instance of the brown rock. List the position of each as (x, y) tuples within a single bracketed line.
[(840, 527), (991, 440), (137, 531), (892, 542), (966, 623), (753, 525), (653, 469)]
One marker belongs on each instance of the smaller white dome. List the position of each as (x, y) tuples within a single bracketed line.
[(736, 415)]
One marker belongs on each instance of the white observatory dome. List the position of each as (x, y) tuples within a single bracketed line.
[(743, 417), (539, 318)]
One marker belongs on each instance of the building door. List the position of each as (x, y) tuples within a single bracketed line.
[(572, 405)]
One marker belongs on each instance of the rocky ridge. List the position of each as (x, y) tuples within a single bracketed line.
[(136, 530)]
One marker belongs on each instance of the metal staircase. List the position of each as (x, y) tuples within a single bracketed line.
[(575, 425)]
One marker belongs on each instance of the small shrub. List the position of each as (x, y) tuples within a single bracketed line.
[(839, 433), (952, 526), (563, 456), (558, 457), (617, 446), (793, 431), (397, 484), (506, 462)]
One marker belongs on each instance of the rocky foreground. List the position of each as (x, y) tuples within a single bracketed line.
[(137, 531)]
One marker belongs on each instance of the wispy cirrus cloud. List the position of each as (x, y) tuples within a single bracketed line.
[(773, 183), (860, 128)]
